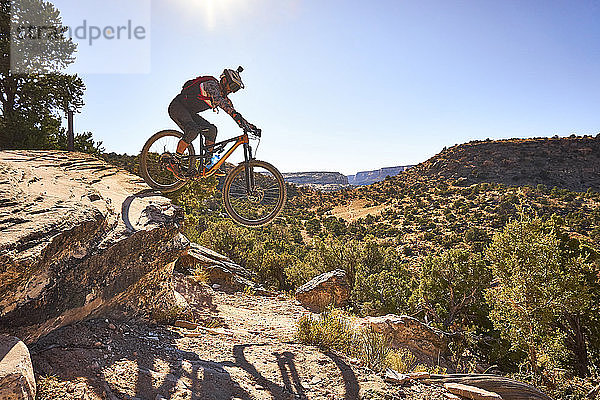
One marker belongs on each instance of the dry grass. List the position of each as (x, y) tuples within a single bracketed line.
[(333, 329), (356, 209), (401, 360), (201, 274)]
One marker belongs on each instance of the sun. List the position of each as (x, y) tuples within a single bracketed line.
[(215, 12)]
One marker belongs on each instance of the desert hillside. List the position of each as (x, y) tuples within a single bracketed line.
[(571, 163)]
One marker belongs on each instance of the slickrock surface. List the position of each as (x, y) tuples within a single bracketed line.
[(65, 251)]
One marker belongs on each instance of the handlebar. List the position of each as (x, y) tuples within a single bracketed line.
[(256, 132)]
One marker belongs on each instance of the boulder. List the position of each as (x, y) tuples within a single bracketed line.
[(409, 332), (16, 372), (66, 253), (330, 288)]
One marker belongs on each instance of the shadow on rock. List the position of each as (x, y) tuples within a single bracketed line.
[(100, 360), (292, 386), (160, 213)]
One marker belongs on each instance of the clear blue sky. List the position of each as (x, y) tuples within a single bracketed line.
[(345, 85)]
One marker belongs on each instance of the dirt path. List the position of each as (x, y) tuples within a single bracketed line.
[(254, 356), (356, 209)]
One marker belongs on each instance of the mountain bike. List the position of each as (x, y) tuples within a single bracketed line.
[(254, 191)]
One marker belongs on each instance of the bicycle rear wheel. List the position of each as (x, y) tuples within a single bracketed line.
[(155, 155), (254, 193)]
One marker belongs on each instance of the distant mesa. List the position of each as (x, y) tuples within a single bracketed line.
[(326, 181), (320, 178), (571, 163), (329, 181), (370, 177)]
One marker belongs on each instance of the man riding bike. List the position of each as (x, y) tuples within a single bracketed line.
[(201, 94)]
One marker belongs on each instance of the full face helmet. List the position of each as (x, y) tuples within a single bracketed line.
[(231, 80)]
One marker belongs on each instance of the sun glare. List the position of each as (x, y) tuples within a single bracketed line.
[(214, 12)]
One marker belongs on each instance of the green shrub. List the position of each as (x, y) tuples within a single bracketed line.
[(384, 292), (451, 290), (546, 300)]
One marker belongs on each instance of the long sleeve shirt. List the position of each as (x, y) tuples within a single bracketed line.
[(212, 89)]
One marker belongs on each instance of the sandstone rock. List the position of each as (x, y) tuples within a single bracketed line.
[(395, 377), (222, 271), (16, 372), (450, 396), (504, 387), (409, 332), (66, 253), (471, 392), (186, 324), (418, 375), (330, 288)]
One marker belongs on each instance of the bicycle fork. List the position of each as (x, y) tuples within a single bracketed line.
[(249, 171)]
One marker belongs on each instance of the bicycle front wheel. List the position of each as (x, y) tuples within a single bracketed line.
[(156, 153), (254, 193)]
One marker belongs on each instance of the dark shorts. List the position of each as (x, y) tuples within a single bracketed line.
[(191, 123)]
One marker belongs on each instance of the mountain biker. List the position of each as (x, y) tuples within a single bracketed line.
[(201, 94)]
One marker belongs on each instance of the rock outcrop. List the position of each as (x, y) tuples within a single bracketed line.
[(330, 288), (221, 270), (17, 381), (409, 332), (65, 252)]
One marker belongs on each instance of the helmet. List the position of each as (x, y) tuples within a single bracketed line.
[(231, 80)]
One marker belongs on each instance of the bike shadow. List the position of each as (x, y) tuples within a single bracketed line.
[(291, 387), (127, 361)]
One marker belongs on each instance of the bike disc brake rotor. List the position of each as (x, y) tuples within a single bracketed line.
[(256, 196)]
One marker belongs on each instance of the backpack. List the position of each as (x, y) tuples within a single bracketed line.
[(191, 89)]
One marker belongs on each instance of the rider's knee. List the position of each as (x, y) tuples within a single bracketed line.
[(190, 133), (210, 133)]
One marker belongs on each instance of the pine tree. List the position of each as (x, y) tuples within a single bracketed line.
[(34, 94)]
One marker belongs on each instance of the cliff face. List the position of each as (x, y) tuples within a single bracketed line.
[(370, 177), (328, 181), (65, 252)]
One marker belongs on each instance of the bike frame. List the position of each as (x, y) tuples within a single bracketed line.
[(239, 141)]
